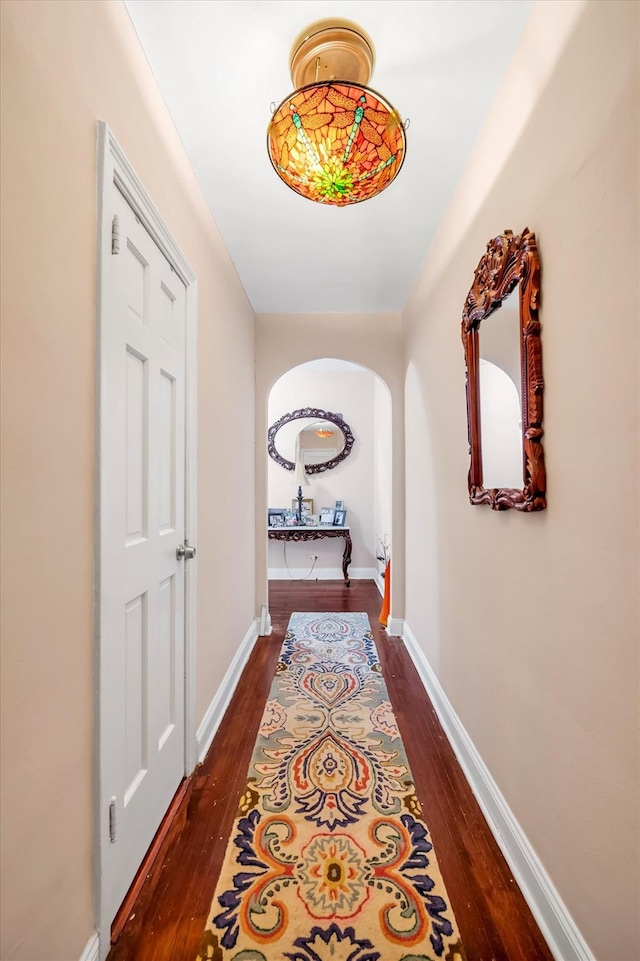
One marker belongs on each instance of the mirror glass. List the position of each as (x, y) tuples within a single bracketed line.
[(501, 396), (317, 441)]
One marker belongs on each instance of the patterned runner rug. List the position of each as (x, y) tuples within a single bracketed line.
[(329, 858)]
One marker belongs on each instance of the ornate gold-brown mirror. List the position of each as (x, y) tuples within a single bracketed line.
[(504, 376)]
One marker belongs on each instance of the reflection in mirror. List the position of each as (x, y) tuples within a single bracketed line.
[(300, 437), (319, 443), (503, 356), (501, 428), (500, 396)]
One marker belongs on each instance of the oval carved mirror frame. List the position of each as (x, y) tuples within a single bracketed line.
[(318, 414), (509, 261)]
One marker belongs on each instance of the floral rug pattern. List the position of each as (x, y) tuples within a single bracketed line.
[(329, 858)]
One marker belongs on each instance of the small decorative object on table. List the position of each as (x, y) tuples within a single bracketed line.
[(383, 554), (339, 518), (326, 516)]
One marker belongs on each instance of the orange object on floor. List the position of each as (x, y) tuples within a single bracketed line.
[(384, 612)]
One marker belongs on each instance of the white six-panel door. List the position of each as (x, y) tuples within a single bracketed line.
[(142, 468)]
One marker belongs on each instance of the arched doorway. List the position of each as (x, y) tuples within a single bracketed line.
[(362, 481)]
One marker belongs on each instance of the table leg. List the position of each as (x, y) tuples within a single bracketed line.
[(346, 557)]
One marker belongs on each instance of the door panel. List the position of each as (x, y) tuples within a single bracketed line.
[(136, 431), (167, 471), (135, 700), (142, 523)]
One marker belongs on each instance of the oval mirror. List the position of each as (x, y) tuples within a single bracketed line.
[(318, 438)]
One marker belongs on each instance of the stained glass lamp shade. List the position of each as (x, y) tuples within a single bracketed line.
[(335, 141)]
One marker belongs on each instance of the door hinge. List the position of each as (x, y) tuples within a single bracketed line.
[(112, 820), (115, 235)]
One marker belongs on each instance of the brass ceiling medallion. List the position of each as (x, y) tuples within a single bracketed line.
[(331, 50)]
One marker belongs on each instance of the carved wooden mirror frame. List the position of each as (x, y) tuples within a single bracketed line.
[(317, 413), (509, 261)]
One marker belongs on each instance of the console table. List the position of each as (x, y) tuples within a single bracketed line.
[(315, 534)]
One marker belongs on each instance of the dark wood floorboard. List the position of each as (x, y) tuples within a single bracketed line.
[(170, 913)]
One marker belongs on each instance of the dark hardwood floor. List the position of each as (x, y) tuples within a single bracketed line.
[(170, 913)]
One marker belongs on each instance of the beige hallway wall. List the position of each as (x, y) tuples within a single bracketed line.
[(531, 621), (64, 65)]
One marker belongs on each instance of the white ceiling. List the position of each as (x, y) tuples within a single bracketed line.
[(221, 63)]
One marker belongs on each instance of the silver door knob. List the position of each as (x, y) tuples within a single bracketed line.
[(185, 551)]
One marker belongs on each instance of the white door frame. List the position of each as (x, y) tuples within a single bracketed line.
[(115, 172)]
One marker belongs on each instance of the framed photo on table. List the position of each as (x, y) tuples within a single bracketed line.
[(326, 516), (339, 518), (339, 506), (307, 505), (275, 518)]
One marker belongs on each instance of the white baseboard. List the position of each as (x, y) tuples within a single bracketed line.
[(91, 949), (215, 712), (558, 927), (395, 626), (320, 574), (264, 622)]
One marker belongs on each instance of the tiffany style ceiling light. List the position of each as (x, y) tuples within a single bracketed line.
[(334, 140)]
